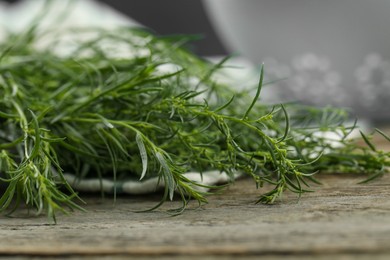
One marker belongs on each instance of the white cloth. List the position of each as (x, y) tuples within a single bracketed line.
[(151, 185), (79, 13)]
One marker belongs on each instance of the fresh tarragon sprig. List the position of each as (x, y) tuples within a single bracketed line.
[(154, 111)]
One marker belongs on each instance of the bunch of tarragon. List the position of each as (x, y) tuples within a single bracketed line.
[(128, 104)]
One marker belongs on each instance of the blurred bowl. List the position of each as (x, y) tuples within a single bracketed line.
[(333, 52)]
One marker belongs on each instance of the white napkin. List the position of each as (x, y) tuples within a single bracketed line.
[(79, 13)]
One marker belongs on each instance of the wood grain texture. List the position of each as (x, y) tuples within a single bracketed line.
[(342, 218)]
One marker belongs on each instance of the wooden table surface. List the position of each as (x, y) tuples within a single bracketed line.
[(342, 219)]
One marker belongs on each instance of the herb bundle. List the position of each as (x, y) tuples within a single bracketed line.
[(128, 104)]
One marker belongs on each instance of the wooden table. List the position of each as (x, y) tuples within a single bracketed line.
[(341, 220)]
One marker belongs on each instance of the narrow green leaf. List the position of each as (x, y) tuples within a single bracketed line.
[(287, 128), (383, 134), (6, 115), (367, 141), (255, 99), (168, 178), (143, 154), (224, 105), (37, 135)]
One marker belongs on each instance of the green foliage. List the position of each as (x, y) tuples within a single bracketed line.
[(156, 110)]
